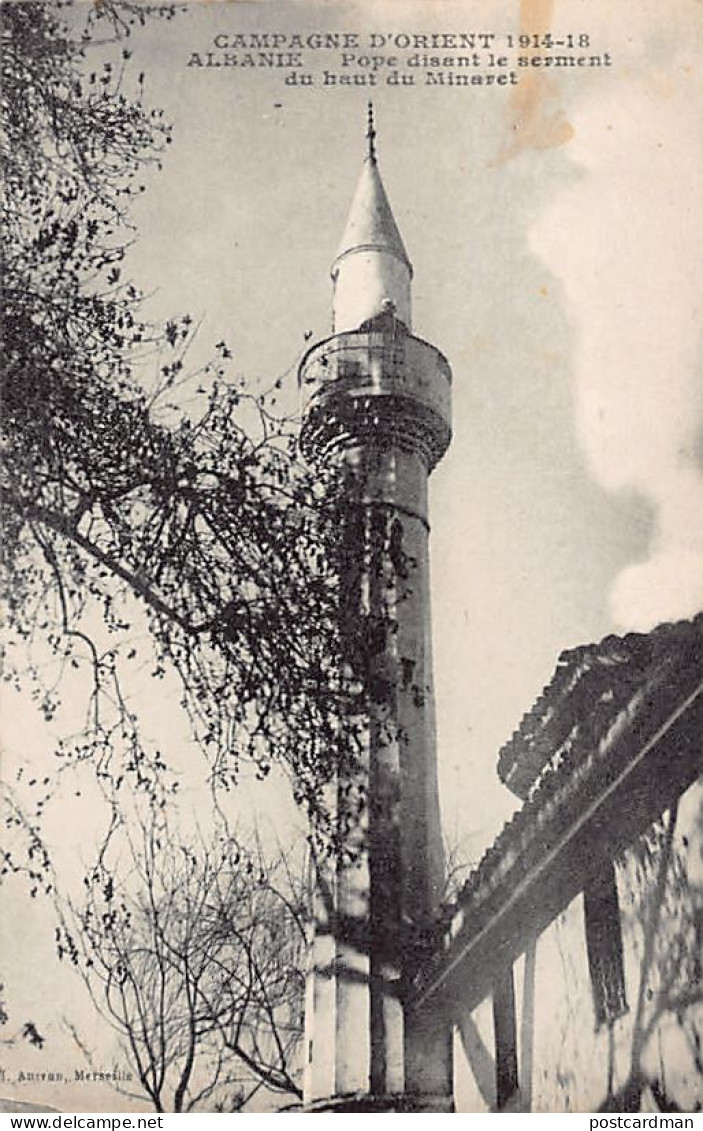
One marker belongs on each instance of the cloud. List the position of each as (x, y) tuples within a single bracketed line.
[(626, 240)]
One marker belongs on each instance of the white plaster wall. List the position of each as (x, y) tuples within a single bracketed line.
[(564, 1063)]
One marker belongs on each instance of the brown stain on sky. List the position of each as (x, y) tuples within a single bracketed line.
[(536, 121)]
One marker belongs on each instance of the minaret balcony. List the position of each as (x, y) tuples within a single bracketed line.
[(378, 384)]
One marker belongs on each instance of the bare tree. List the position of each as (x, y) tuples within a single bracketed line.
[(194, 955)]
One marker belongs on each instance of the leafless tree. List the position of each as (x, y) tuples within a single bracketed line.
[(194, 954)]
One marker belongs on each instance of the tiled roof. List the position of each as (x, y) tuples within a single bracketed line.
[(588, 688)]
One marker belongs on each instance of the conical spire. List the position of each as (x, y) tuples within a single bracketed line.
[(371, 263), (371, 224)]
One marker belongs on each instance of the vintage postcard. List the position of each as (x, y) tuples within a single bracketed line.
[(353, 431)]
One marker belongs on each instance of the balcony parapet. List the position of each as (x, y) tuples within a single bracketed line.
[(380, 385)]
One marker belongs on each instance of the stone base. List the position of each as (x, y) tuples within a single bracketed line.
[(366, 1101)]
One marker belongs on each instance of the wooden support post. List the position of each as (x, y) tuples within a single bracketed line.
[(507, 1082)]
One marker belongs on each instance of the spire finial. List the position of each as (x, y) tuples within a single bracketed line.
[(371, 133)]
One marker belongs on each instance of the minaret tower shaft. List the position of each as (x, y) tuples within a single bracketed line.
[(377, 401)]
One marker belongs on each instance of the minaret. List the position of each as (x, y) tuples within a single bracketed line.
[(377, 401)]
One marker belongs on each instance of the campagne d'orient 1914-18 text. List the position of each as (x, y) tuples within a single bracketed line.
[(400, 58)]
